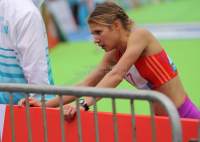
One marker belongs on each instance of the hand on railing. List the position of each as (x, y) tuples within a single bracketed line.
[(69, 111), (32, 102)]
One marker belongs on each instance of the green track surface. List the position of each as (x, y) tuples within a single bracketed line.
[(67, 59), (173, 11)]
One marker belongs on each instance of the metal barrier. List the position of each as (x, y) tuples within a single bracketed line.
[(151, 96)]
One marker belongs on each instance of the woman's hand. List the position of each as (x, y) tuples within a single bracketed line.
[(69, 111), (32, 102)]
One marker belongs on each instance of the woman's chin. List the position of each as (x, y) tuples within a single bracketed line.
[(104, 49), (107, 50)]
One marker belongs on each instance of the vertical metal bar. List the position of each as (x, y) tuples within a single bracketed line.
[(79, 120), (96, 120), (44, 119), (28, 118), (62, 119), (12, 119), (133, 122), (115, 120), (153, 122)]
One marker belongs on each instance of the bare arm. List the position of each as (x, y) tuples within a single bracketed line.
[(54, 102), (91, 80), (108, 60)]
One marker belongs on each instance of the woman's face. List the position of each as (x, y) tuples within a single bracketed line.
[(107, 38)]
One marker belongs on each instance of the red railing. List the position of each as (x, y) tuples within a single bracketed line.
[(105, 123)]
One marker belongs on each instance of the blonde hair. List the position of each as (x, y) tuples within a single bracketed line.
[(107, 13)]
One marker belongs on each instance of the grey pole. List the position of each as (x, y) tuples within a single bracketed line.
[(79, 120), (134, 139), (12, 119), (115, 120), (152, 122), (44, 119), (28, 118), (62, 126), (96, 120)]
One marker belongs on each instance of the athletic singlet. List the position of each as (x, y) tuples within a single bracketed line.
[(150, 72)]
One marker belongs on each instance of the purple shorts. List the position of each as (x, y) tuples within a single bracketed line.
[(188, 110)]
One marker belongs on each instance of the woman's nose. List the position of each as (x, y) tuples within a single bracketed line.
[(96, 40)]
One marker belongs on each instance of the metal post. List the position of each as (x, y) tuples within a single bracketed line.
[(96, 120), (44, 119), (79, 120), (28, 118), (12, 119), (115, 120), (153, 122), (133, 122), (62, 119)]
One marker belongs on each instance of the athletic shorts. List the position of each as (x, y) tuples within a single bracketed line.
[(188, 110)]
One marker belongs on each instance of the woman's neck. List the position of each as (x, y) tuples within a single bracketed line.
[(123, 41)]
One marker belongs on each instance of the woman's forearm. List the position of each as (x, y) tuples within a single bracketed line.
[(55, 102), (109, 81), (89, 100)]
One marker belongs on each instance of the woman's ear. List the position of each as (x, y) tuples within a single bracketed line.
[(117, 25)]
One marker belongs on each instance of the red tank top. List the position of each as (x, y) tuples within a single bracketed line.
[(150, 72)]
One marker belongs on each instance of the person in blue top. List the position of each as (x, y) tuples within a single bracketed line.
[(24, 54)]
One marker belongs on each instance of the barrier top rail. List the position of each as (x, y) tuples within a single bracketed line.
[(153, 96)]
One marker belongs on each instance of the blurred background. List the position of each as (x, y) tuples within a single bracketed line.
[(175, 23)]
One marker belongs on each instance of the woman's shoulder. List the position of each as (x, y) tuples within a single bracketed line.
[(139, 35), (140, 32)]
